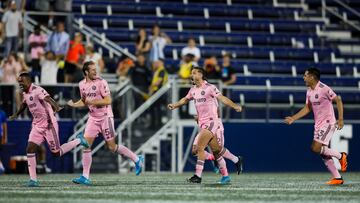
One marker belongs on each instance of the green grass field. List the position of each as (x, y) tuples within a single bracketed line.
[(248, 187)]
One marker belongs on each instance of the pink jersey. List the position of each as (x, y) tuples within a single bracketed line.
[(320, 100), (205, 99), (95, 90), (41, 110)]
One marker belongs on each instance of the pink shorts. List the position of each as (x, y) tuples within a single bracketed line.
[(51, 134), (323, 133), (216, 128), (105, 126)]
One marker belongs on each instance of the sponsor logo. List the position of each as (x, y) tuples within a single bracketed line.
[(33, 105), (91, 94), (201, 100)]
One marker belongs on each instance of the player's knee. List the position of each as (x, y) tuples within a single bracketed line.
[(316, 149), (30, 149), (112, 148)]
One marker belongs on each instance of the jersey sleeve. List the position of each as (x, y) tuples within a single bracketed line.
[(330, 94), (214, 91), (104, 89), (42, 93), (189, 95)]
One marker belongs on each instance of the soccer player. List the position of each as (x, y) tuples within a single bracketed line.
[(95, 94), (237, 160), (205, 96), (319, 99), (44, 124)]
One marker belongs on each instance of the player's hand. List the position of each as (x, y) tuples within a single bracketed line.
[(340, 124), (71, 103), (238, 108), (171, 106), (12, 117), (289, 120)]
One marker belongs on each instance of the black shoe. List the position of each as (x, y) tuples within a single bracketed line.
[(240, 165), (194, 179)]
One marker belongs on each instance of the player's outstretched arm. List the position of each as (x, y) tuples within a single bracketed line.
[(19, 111), (99, 102), (303, 112), (181, 102), (340, 108), (53, 104), (229, 103), (77, 104)]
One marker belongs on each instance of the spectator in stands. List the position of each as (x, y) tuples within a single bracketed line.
[(13, 23), (186, 65), (140, 76), (191, 49), (49, 68), (228, 75), (59, 41), (91, 55), (3, 135), (11, 67), (37, 42), (160, 78), (123, 68), (142, 43), (158, 41), (74, 58), (212, 68)]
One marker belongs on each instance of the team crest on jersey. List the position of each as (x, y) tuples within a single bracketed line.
[(202, 92), (94, 87), (31, 98), (316, 96)]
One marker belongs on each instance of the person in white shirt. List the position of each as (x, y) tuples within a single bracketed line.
[(13, 22), (95, 57), (49, 68), (191, 49), (158, 42)]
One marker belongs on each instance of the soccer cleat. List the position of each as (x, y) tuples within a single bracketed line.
[(32, 183), (139, 165), (343, 161), (194, 179), (82, 180), (240, 165), (225, 180), (335, 181), (83, 141)]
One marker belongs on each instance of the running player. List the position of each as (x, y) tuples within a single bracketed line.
[(319, 98), (95, 94), (205, 97), (237, 160), (44, 124)]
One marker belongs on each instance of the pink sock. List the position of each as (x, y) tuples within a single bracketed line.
[(222, 166), (69, 146), (209, 156), (31, 158), (127, 153), (199, 168), (86, 162), (228, 155), (326, 151), (329, 163)]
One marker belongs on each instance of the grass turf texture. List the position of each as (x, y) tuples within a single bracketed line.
[(248, 187)]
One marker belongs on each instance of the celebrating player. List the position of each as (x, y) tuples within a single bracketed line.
[(237, 160), (95, 94), (44, 124), (205, 97), (319, 98)]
